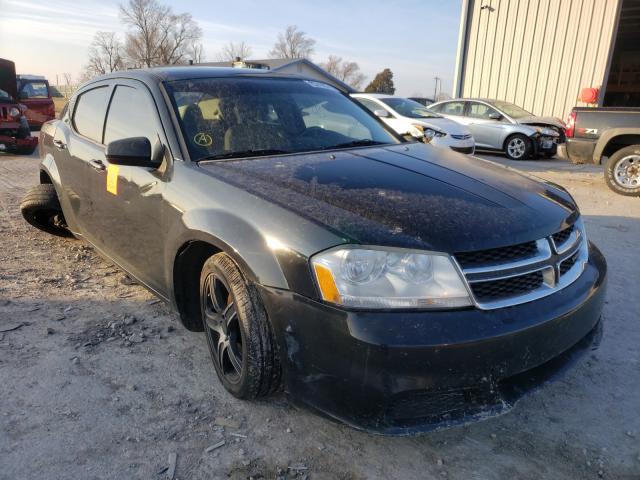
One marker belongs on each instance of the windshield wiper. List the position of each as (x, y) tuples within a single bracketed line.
[(354, 143), (244, 154)]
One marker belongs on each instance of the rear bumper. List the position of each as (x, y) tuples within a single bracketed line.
[(407, 372), (581, 150)]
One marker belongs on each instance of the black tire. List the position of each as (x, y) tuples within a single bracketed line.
[(518, 139), (41, 208), (622, 172), (239, 335)]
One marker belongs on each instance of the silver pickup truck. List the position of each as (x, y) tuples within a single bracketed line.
[(609, 135)]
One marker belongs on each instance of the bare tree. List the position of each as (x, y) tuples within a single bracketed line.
[(105, 54), (197, 53), (293, 43), (348, 72), (156, 35), (231, 51)]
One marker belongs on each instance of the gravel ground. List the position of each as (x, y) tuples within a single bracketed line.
[(99, 380)]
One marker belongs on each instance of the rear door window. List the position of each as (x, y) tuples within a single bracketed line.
[(480, 110), (370, 104), (452, 108), (88, 116), (131, 114)]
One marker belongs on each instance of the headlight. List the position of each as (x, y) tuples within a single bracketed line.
[(425, 132), (381, 277), (14, 112)]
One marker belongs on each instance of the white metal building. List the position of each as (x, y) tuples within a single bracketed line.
[(540, 54)]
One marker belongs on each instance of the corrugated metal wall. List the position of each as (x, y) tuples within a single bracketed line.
[(538, 54)]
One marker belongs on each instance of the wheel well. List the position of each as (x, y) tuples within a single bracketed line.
[(44, 177), (187, 267), (621, 141)]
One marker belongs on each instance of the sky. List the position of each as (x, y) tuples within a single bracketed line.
[(416, 39)]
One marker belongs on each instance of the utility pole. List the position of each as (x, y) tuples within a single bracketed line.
[(435, 90)]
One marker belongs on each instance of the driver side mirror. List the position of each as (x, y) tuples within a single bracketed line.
[(134, 152), (495, 116), (381, 113)]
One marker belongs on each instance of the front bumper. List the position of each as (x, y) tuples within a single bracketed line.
[(16, 135), (545, 145), (407, 372), (11, 143)]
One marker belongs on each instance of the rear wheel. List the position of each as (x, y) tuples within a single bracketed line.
[(518, 147), (41, 208), (238, 332), (622, 172)]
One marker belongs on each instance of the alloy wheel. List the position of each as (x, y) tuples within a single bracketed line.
[(516, 147), (627, 171), (222, 326)]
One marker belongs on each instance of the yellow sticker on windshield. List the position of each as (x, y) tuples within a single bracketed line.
[(112, 179)]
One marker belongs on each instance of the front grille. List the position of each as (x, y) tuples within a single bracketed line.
[(465, 150), (566, 265), (520, 251), (508, 287), (563, 235), (461, 137), (506, 276)]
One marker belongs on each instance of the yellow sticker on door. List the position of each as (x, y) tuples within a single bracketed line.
[(112, 179)]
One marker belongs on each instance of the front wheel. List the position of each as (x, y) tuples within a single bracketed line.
[(26, 150), (518, 147), (622, 172), (238, 331)]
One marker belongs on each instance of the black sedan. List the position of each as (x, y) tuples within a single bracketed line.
[(394, 286)]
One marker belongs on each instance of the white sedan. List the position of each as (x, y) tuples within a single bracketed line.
[(408, 117)]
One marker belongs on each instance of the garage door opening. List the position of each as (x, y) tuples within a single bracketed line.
[(623, 84)]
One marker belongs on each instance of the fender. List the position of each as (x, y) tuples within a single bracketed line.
[(609, 135), (248, 245)]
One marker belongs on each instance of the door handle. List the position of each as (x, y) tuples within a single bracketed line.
[(59, 144), (98, 165)]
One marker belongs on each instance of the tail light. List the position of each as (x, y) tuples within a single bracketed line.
[(571, 124)]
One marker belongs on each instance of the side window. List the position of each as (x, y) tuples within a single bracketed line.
[(437, 108), (131, 114), (88, 116), (480, 110), (453, 108), (370, 104)]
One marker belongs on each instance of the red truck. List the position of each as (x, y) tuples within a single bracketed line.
[(15, 134), (33, 91)]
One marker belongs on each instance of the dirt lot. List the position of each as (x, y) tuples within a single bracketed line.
[(100, 381)]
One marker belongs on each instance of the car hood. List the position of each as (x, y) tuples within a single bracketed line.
[(8, 77), (444, 124), (413, 196), (556, 122)]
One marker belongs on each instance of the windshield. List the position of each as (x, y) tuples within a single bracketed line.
[(236, 117), (511, 110), (409, 108)]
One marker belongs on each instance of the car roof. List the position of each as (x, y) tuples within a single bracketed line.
[(375, 95), (168, 74)]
